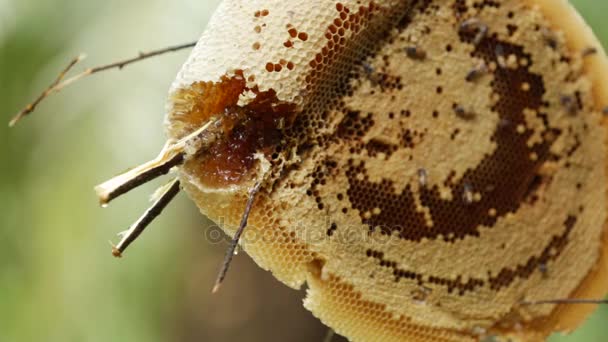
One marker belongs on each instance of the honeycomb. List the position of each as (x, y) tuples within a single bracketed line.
[(427, 165)]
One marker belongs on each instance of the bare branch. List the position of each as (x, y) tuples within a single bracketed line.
[(121, 64), (142, 56), (235, 240), (168, 193), (171, 155), (59, 83), (566, 301), (329, 335), (137, 176), (51, 88)]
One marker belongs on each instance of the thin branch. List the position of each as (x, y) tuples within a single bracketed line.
[(137, 176), (329, 336), (170, 191), (59, 83), (566, 301), (235, 240), (142, 56), (171, 155), (51, 88), (121, 64)]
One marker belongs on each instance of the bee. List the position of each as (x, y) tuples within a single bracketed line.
[(415, 52), (474, 25), (476, 72)]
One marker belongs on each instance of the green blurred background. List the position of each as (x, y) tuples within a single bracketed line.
[(58, 281)]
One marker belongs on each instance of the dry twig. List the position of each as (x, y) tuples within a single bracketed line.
[(168, 193), (566, 301), (171, 155), (235, 240), (51, 88), (59, 82)]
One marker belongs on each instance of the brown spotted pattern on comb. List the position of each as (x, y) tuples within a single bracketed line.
[(437, 214), (441, 165), (515, 176)]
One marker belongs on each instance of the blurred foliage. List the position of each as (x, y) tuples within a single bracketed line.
[(58, 281)]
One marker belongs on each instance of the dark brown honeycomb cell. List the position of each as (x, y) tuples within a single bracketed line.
[(410, 127)]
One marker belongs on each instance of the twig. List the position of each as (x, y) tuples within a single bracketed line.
[(235, 240), (171, 155), (329, 335), (566, 301), (141, 56), (137, 176), (59, 83), (51, 88), (121, 64), (170, 191)]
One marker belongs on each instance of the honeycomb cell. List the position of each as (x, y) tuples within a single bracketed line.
[(432, 161)]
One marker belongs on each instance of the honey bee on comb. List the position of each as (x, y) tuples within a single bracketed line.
[(431, 170)]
